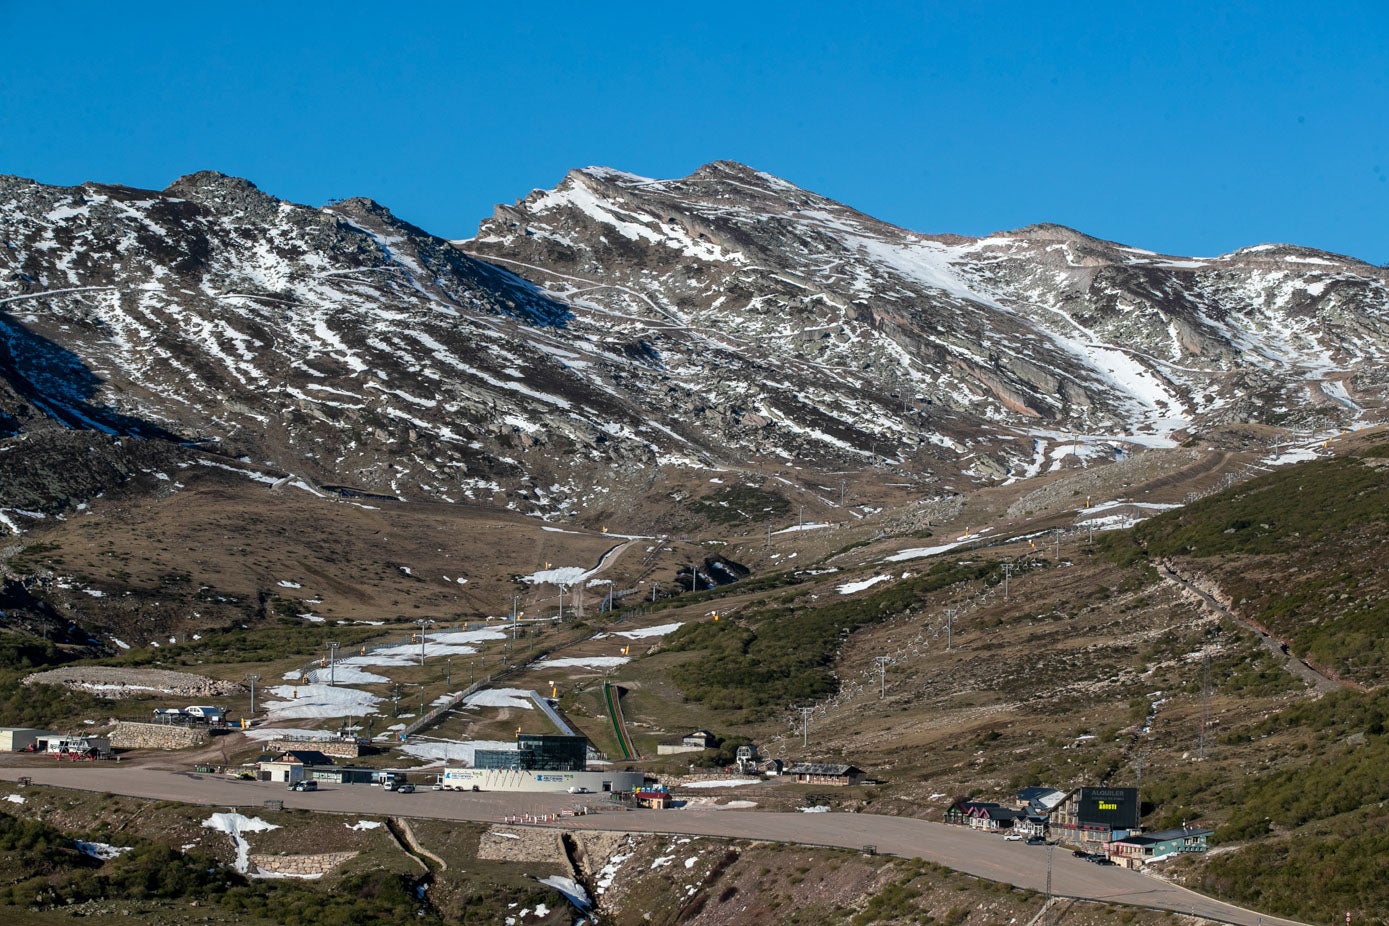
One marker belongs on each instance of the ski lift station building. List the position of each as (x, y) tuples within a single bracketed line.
[(539, 763)]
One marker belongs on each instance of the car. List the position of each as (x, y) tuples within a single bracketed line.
[(406, 788), (304, 786), (1101, 860), (1013, 837), (579, 789), (1036, 840), (1081, 853)]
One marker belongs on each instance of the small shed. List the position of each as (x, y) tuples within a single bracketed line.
[(292, 765), (701, 738), (25, 739), (820, 773), (657, 798)]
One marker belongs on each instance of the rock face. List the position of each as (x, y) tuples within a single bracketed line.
[(614, 325)]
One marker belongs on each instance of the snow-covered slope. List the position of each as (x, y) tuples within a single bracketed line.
[(596, 332), (1039, 329)]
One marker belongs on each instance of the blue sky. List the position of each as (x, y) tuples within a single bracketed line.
[(1186, 128)]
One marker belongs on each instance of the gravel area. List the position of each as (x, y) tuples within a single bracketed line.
[(109, 682)]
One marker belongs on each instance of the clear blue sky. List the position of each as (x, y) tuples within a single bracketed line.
[(1189, 128)]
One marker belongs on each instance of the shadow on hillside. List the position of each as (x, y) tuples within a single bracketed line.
[(58, 384)]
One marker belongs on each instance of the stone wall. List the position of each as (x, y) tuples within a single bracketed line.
[(299, 866), (129, 735), (341, 749)]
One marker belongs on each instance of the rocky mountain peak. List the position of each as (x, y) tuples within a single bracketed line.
[(616, 327)]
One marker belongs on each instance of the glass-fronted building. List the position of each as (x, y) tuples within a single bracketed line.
[(537, 752)]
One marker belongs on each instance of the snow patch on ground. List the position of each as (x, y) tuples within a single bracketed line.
[(849, 588), (646, 632), (585, 662), (724, 783), (235, 825)]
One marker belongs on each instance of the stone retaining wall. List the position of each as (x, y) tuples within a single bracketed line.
[(130, 735), (341, 749), (299, 866)]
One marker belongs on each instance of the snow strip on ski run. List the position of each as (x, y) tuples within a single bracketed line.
[(304, 701), (585, 662), (500, 697), (722, 783), (644, 632)]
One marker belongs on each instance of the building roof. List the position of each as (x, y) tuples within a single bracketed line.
[(304, 757), (1042, 798), (1148, 839), (820, 768)]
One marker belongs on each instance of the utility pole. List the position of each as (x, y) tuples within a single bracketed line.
[(423, 623), (253, 679), (1007, 572), (1058, 544), (882, 662), (561, 604), (805, 724), (841, 493), (332, 663), (949, 628), (1047, 908), (801, 523), (1205, 702), (515, 600)]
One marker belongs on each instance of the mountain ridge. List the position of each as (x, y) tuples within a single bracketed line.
[(617, 323)]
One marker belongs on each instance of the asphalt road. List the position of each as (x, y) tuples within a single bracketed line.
[(976, 853)]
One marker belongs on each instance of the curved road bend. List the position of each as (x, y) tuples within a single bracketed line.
[(954, 847)]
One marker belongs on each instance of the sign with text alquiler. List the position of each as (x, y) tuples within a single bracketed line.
[(1116, 807)]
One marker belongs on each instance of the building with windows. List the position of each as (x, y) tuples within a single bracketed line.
[(1092, 817), (1137, 851), (540, 762)]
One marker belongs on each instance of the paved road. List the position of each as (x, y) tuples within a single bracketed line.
[(954, 847)]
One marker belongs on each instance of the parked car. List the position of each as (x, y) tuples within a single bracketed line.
[(1013, 837), (578, 789), (1101, 860), (1081, 853), (406, 788), (304, 786), (1036, 840)]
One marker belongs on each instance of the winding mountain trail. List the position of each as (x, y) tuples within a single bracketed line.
[(1323, 682)]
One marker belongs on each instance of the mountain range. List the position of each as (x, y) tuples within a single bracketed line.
[(615, 327)]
